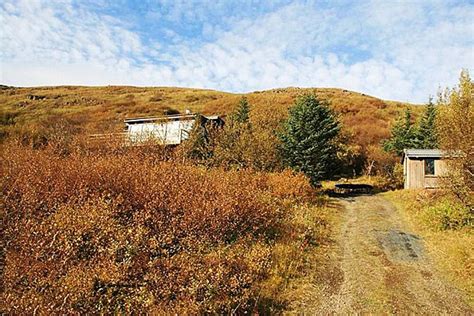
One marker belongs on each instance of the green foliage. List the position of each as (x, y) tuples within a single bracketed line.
[(242, 144), (308, 139), (235, 138), (199, 146), (402, 135), (448, 214), (426, 134), (242, 113)]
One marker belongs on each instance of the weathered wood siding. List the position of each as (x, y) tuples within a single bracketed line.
[(441, 167), (415, 173), (415, 177)]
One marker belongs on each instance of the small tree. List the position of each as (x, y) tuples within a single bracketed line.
[(234, 140), (456, 136), (402, 135), (426, 134), (308, 139), (199, 145), (242, 113)]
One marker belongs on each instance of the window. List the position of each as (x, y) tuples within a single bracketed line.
[(429, 167)]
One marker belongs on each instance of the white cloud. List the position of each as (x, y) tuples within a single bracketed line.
[(394, 50)]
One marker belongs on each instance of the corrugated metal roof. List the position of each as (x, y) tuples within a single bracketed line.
[(424, 153), (162, 118), (183, 117)]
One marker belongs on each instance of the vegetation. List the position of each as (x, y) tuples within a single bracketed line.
[(402, 135), (90, 110), (217, 225), (308, 139), (406, 135), (123, 229), (426, 135), (456, 137), (242, 114)]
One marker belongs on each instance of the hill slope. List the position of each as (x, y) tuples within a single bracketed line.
[(102, 109)]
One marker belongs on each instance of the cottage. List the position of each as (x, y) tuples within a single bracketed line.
[(167, 130), (422, 168)]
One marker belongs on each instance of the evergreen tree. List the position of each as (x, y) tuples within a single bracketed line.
[(402, 135), (242, 113), (308, 138), (426, 136)]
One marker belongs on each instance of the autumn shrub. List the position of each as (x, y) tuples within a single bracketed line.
[(290, 185), (93, 233), (456, 136), (447, 213), (438, 210)]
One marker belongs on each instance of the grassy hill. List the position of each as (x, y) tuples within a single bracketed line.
[(102, 109)]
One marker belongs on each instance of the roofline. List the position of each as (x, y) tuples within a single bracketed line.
[(171, 117), (430, 153), (161, 118)]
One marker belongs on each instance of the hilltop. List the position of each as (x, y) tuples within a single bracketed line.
[(102, 109)]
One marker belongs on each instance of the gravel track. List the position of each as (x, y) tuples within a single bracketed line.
[(382, 267)]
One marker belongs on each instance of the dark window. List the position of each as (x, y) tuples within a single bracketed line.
[(429, 167)]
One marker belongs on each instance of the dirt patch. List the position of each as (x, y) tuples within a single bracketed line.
[(400, 246)]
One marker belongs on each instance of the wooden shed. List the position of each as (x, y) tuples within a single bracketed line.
[(422, 168)]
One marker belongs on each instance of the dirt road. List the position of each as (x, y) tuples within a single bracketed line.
[(382, 267)]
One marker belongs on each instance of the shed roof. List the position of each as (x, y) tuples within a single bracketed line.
[(162, 118), (176, 117), (423, 153)]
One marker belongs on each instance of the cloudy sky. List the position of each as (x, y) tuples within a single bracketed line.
[(393, 49)]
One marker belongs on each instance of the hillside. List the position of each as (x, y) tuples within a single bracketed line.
[(102, 109)]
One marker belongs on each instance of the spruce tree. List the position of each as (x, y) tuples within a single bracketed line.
[(426, 136), (402, 135), (308, 138), (242, 113)]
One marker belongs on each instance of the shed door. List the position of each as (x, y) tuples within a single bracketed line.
[(416, 173)]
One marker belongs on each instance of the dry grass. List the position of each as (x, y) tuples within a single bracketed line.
[(101, 109), (451, 249), (303, 263)]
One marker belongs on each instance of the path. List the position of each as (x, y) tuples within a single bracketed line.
[(383, 267)]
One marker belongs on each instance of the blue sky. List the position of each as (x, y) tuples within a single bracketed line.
[(402, 50)]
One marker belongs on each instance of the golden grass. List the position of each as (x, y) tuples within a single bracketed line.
[(301, 258), (451, 250), (102, 109)]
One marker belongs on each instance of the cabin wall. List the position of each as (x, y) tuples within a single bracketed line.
[(441, 167), (415, 177), (169, 132), (430, 182)]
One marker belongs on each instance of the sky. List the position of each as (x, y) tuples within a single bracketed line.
[(394, 49)]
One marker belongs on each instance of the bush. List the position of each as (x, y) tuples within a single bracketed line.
[(437, 210), (448, 214), (88, 233)]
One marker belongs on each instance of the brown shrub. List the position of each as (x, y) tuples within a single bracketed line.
[(90, 233)]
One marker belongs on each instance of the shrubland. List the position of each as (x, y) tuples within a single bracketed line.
[(122, 229)]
